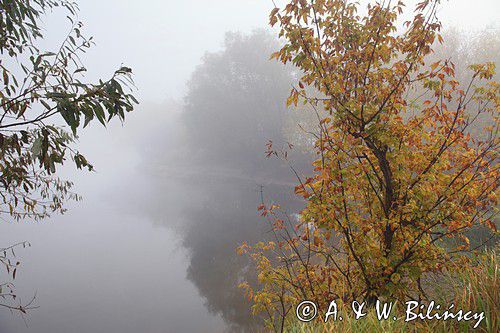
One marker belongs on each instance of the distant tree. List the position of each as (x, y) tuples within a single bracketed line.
[(234, 104), (41, 90), (396, 175), (232, 107)]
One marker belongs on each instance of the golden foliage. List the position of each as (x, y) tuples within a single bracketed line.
[(396, 175)]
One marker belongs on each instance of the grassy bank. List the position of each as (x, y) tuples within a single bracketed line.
[(474, 288)]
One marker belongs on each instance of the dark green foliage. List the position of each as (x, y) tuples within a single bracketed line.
[(40, 90), (37, 88)]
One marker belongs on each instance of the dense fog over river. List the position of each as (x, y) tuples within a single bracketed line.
[(151, 248), (174, 194)]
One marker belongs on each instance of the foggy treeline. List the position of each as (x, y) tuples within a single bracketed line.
[(218, 166)]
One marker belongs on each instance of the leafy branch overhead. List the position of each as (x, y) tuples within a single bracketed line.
[(39, 89), (42, 93)]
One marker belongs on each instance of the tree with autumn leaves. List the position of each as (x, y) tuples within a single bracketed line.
[(399, 177)]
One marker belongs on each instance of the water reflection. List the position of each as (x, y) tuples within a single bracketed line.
[(152, 246), (235, 104)]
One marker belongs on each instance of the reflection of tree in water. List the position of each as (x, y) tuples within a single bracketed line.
[(216, 228), (234, 105)]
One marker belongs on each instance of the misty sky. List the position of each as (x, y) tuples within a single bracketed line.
[(163, 40)]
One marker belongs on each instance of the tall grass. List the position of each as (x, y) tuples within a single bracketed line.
[(477, 287), (472, 287)]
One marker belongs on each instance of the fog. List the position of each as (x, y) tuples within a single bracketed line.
[(151, 248)]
